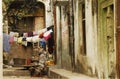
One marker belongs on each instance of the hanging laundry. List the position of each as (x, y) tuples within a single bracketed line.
[(16, 34), (51, 43), (11, 33), (51, 40), (25, 34), (11, 39), (6, 44), (35, 39), (50, 49), (35, 33), (24, 41), (47, 34), (43, 43), (15, 39), (50, 27), (29, 39), (30, 34), (41, 35), (20, 39)]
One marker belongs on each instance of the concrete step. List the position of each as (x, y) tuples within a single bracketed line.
[(24, 77), (55, 73), (15, 72)]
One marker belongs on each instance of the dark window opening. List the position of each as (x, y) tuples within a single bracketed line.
[(84, 28)]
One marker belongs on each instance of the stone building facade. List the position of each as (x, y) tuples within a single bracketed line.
[(91, 32), (86, 35)]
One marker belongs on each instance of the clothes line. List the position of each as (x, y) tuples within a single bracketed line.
[(34, 36)]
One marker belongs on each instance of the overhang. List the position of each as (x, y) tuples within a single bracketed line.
[(61, 2)]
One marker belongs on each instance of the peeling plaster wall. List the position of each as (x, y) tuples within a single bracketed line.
[(66, 59), (90, 39), (85, 63), (106, 29), (80, 57), (58, 37), (39, 23), (62, 39)]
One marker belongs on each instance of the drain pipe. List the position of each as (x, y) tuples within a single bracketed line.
[(72, 34)]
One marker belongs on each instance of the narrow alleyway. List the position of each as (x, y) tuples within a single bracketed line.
[(60, 39)]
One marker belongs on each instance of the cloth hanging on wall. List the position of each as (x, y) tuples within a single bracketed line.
[(35, 33), (43, 43), (25, 34), (35, 39), (20, 39), (30, 34), (47, 34), (29, 39), (6, 44)]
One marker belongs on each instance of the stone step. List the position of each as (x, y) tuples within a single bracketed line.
[(56, 73), (15, 72)]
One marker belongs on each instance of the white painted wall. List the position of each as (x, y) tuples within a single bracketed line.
[(1, 42), (90, 36), (76, 31), (48, 12)]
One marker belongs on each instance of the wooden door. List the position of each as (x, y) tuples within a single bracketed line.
[(118, 52), (118, 37)]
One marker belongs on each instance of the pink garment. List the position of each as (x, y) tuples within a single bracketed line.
[(25, 34), (47, 35), (11, 40), (35, 33)]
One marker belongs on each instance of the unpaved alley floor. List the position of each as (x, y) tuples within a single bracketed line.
[(24, 77)]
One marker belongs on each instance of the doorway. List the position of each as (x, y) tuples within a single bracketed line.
[(108, 39)]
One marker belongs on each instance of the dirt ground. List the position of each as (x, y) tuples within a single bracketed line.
[(24, 77)]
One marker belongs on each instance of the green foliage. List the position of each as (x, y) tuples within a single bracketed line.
[(7, 2)]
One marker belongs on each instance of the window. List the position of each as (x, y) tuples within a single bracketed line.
[(83, 28)]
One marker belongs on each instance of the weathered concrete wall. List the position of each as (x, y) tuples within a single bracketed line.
[(106, 39), (62, 39), (22, 51), (66, 59), (85, 61), (25, 25), (39, 23), (90, 37), (58, 37), (80, 57)]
